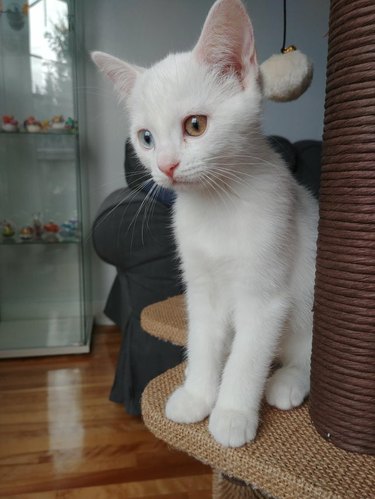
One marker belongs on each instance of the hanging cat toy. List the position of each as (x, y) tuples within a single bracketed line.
[(286, 76)]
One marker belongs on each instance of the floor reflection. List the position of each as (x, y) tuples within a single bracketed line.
[(65, 426)]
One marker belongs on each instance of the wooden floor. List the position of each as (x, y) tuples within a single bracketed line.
[(60, 437)]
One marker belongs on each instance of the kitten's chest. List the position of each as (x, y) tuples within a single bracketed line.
[(212, 232)]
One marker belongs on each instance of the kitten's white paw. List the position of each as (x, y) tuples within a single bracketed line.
[(232, 428), (287, 388), (184, 407)]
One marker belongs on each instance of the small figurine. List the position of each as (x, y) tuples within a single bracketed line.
[(69, 229), (37, 226), (9, 124), (8, 231), (71, 125), (32, 125), (58, 123), (45, 125), (51, 232), (26, 233)]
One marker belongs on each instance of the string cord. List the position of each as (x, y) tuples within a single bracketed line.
[(284, 28)]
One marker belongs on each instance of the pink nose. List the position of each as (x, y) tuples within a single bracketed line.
[(169, 168)]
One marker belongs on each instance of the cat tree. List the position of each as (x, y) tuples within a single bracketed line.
[(289, 459)]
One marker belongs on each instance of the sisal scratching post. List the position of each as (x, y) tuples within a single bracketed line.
[(342, 398)]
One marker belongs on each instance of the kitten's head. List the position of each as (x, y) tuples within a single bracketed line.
[(191, 110)]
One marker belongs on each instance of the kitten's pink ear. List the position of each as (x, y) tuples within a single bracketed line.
[(122, 74), (227, 39)]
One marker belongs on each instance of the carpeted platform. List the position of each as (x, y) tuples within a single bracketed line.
[(288, 458)]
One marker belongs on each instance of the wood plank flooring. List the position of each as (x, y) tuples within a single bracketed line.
[(60, 436)]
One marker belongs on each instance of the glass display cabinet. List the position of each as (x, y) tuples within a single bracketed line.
[(44, 240)]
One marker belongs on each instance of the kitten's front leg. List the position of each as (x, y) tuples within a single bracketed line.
[(194, 400), (258, 323)]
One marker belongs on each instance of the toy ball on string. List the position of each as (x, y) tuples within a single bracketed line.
[(286, 76)]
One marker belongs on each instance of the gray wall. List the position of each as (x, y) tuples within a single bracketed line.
[(144, 31)]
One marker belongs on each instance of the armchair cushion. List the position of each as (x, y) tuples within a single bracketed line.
[(144, 255)]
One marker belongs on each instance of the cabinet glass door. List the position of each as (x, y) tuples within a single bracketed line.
[(43, 272)]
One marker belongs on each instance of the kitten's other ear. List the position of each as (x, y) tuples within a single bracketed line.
[(227, 39), (122, 74)]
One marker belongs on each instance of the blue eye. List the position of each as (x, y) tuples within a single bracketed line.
[(146, 139)]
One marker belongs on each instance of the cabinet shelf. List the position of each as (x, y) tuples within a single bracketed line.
[(23, 133), (18, 242), (50, 336)]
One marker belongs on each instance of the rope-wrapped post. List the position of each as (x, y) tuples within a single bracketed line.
[(342, 403)]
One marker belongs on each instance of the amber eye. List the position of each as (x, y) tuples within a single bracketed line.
[(195, 125)]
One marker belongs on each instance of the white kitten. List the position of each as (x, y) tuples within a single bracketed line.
[(246, 231)]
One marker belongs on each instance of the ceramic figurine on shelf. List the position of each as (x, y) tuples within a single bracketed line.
[(51, 232), (71, 125), (32, 125), (69, 229), (37, 226), (45, 125), (58, 123), (8, 231), (9, 124), (26, 233)]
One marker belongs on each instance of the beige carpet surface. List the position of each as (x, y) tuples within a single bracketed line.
[(288, 459)]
